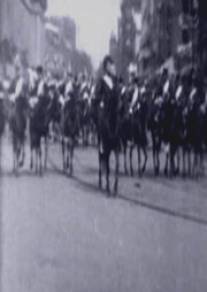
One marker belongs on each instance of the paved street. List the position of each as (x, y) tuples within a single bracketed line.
[(63, 235)]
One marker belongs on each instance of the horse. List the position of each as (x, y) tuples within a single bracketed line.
[(125, 126), (133, 124), (55, 94), (18, 114), (85, 115), (39, 128), (108, 128), (2, 117), (69, 131), (155, 127), (196, 133)]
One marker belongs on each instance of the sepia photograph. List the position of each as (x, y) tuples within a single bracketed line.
[(103, 145)]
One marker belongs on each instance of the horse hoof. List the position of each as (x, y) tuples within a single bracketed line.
[(108, 191), (115, 192), (140, 173), (165, 172), (157, 171), (21, 164)]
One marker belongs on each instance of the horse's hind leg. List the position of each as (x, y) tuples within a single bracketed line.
[(158, 161), (184, 162), (14, 158), (116, 172), (194, 167), (63, 154), (40, 159), (189, 162), (144, 149), (71, 157), (154, 159), (100, 159), (202, 168)]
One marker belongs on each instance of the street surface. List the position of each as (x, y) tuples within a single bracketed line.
[(61, 234)]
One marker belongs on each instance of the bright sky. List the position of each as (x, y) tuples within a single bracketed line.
[(95, 20)]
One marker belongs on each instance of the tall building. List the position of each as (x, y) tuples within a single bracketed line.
[(161, 33), (22, 30), (60, 42), (129, 31), (61, 52)]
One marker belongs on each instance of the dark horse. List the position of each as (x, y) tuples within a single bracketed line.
[(18, 124), (2, 120), (70, 131), (155, 126), (107, 101), (134, 118), (39, 128)]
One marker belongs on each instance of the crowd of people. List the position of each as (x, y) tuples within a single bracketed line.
[(165, 113)]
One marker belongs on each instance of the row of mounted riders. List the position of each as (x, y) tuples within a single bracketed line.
[(171, 115)]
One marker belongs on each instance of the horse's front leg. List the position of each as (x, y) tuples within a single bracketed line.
[(145, 159), (131, 160), (139, 160), (158, 161), (195, 165), (36, 159), (178, 161), (100, 161), (189, 162), (46, 152), (125, 159), (107, 161), (31, 156), (17, 159), (154, 158), (172, 155), (67, 155), (22, 154), (166, 159)]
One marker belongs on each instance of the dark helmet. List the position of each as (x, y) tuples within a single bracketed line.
[(39, 70), (107, 60)]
